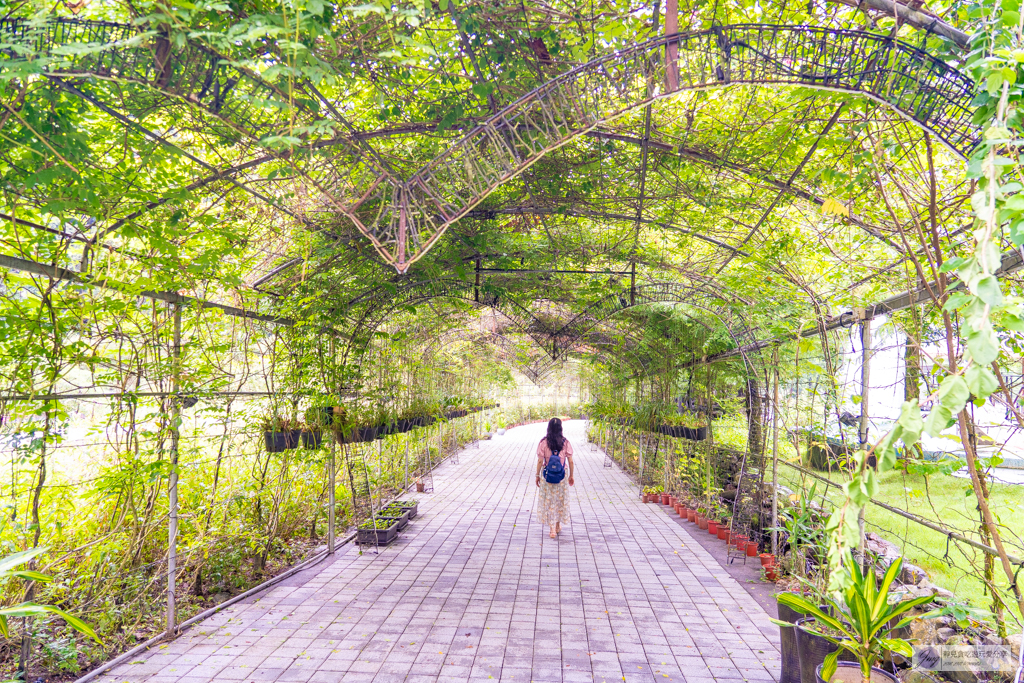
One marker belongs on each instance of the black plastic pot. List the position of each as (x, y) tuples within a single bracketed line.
[(698, 434), (380, 536), (312, 439), (875, 671), (790, 653), (813, 650), (403, 519), (276, 442), (413, 508), (367, 433)]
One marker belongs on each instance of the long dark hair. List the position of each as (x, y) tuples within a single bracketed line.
[(554, 438)]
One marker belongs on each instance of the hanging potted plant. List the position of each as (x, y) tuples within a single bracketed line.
[(275, 434), (862, 624)]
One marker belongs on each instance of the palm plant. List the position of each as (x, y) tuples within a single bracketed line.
[(864, 619), (9, 570)]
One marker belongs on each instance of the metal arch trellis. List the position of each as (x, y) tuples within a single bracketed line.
[(194, 76), (535, 369), (667, 292), (403, 220), (382, 303)]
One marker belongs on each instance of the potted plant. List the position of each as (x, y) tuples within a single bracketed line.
[(751, 548), (374, 532), (713, 528), (664, 498), (767, 559), (275, 434), (394, 512), (420, 486), (862, 624), (413, 506)]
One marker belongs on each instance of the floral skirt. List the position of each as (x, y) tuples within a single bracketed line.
[(553, 502)]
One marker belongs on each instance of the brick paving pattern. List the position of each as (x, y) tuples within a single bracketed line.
[(475, 590)]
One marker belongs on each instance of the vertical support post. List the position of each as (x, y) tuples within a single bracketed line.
[(172, 482), (671, 49), (406, 462), (476, 286), (332, 477), (640, 465), (775, 455), (865, 379), (865, 390), (632, 284), (332, 474)]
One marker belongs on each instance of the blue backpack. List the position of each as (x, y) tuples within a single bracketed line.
[(554, 472)]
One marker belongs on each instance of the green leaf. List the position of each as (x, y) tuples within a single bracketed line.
[(828, 667), (899, 646), (11, 561), (983, 345), (988, 290), (981, 380), (953, 393), (938, 420), (910, 420)]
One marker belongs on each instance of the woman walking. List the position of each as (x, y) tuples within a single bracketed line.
[(554, 452)]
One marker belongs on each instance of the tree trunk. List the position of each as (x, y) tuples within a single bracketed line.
[(755, 430)]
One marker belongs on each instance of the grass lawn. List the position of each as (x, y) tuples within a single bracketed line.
[(947, 500)]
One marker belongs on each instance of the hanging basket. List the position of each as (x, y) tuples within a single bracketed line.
[(276, 442)]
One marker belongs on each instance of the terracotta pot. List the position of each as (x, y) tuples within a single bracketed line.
[(767, 559), (691, 515), (771, 572), (664, 499), (646, 498), (738, 540), (751, 549), (702, 523), (713, 528), (723, 532), (728, 536), (673, 501), (420, 487)]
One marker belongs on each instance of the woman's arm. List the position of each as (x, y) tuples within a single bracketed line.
[(572, 467), (540, 461)]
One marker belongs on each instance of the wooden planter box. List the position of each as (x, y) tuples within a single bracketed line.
[(379, 536)]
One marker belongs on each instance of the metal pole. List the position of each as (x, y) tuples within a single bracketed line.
[(640, 465), (172, 484), (865, 386), (332, 476), (775, 456), (865, 379), (406, 462)]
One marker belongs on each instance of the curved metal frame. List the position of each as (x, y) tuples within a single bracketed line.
[(403, 220)]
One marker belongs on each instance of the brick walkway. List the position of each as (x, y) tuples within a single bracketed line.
[(474, 590)]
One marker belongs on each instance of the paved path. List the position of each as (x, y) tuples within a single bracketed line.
[(475, 590)]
